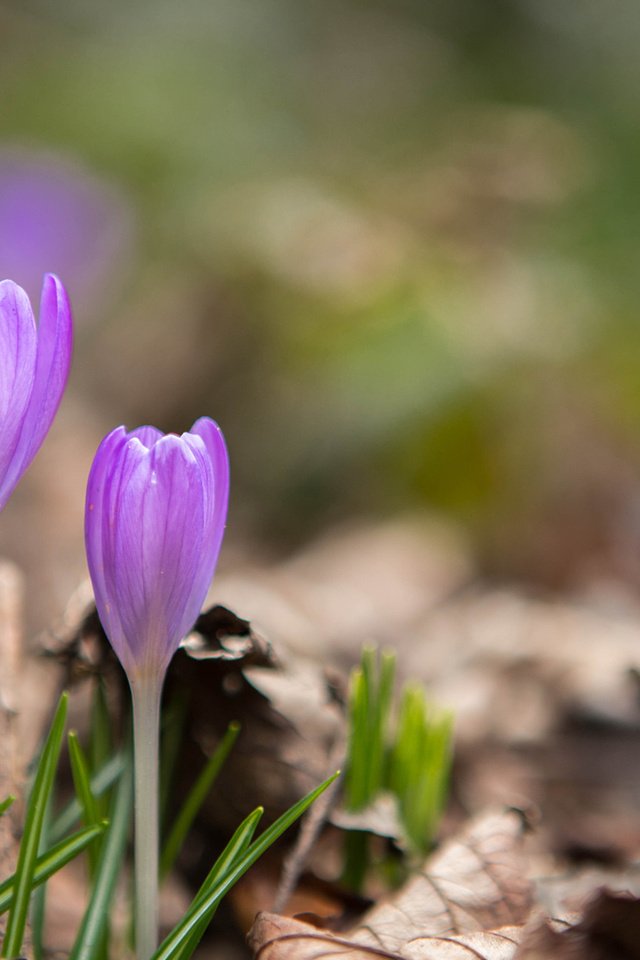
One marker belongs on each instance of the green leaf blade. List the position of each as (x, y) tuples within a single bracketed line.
[(196, 798), (54, 859), (36, 809), (95, 922), (234, 849), (201, 910)]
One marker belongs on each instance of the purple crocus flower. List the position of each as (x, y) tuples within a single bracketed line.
[(34, 366), (155, 515), (53, 210)]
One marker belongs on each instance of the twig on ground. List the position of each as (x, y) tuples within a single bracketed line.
[(310, 828)]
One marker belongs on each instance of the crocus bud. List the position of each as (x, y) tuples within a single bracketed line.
[(155, 515), (34, 366)]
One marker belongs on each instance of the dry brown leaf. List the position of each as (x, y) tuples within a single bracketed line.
[(475, 882), (452, 909), (274, 937), (290, 711), (358, 583), (608, 930), (511, 667), (380, 817), (219, 634), (562, 893), (488, 945), (282, 938)]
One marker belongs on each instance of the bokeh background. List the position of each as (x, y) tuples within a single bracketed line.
[(392, 247)]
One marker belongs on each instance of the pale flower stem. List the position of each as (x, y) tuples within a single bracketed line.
[(146, 739)]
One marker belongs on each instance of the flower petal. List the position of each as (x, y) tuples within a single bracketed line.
[(123, 575), (186, 481), (216, 506), (147, 435), (154, 521), (156, 547), (18, 351), (97, 520), (49, 372)]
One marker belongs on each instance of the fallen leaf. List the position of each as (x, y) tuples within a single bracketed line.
[(283, 938), (219, 634), (379, 817), (477, 881), (469, 900), (608, 930), (489, 945), (358, 583)]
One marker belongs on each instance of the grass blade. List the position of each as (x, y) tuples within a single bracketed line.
[(370, 698), (92, 806), (82, 785), (53, 860), (38, 897), (386, 679), (203, 908), (196, 798), (36, 809), (356, 776), (4, 806), (419, 769), (174, 715), (100, 746), (100, 781), (96, 918), (234, 849)]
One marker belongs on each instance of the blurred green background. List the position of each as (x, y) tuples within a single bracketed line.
[(391, 247)]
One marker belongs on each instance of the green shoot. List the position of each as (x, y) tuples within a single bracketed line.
[(234, 849), (82, 784), (369, 706), (420, 764), (27, 857), (39, 894), (53, 860), (101, 781), (94, 926), (204, 906), (100, 745), (173, 719), (196, 798), (411, 762)]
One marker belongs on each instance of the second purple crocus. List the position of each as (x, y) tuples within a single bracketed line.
[(155, 515)]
